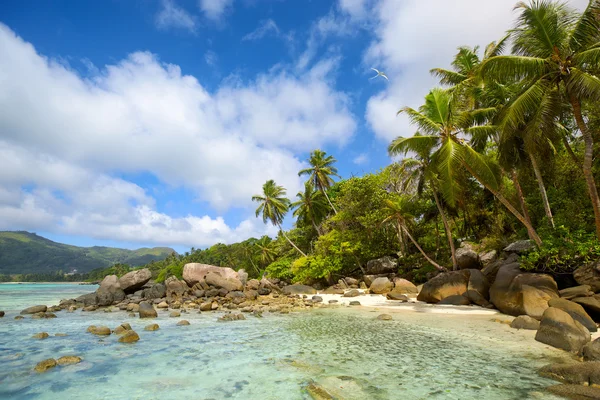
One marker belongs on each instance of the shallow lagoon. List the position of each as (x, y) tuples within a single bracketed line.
[(345, 350)]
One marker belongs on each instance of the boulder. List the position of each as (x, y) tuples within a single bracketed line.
[(591, 305), (299, 289), (34, 310), (230, 284), (162, 305), (175, 289), (206, 306), (581, 373), (267, 286), (591, 351), (183, 322), (396, 296), (559, 329), (175, 314), (195, 272), (368, 279), (477, 298), (151, 327), (466, 257), (157, 291), (104, 297), (109, 283), (351, 293), (147, 311), (242, 276), (575, 392), (383, 265), (351, 281), (404, 286), (455, 300), (444, 285), (589, 275), (488, 257), (1, 314), (520, 247), (99, 330), (251, 294), (381, 286), (121, 329), (317, 299), (89, 299), (354, 303), (518, 293), (384, 317), (576, 311), (253, 284), (45, 365), (129, 337), (491, 270), (576, 291), (68, 360), (134, 280), (525, 322)]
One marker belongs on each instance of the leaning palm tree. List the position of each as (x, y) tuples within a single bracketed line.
[(273, 207), (396, 213), (444, 127), (311, 206), (555, 53), (418, 173), (321, 172)]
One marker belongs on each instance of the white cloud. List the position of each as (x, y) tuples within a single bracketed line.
[(214, 9), (66, 136), (412, 36), (361, 159), (356, 8), (173, 16), (211, 58), (264, 28)]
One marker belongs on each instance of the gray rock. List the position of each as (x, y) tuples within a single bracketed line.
[(381, 286), (591, 305), (333, 301), (87, 299), (2, 314), (34, 310), (351, 293), (104, 297), (525, 322), (520, 247), (383, 265), (134, 280), (253, 284), (589, 275), (147, 310), (242, 276), (396, 296), (109, 283), (467, 258), (576, 291), (157, 291), (591, 351), (491, 270), (354, 303), (317, 299), (559, 329), (488, 257), (299, 289)]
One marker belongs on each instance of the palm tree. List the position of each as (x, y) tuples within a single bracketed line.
[(555, 51), (418, 173), (321, 172), (311, 206), (396, 212), (443, 125), (265, 249), (273, 207)]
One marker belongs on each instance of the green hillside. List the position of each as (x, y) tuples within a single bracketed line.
[(28, 253)]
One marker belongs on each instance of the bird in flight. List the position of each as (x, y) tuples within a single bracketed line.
[(379, 73)]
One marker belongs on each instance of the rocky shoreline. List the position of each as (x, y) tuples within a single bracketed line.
[(562, 318)]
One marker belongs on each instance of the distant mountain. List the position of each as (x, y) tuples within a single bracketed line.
[(28, 253)]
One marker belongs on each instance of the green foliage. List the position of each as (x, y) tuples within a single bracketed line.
[(280, 269)]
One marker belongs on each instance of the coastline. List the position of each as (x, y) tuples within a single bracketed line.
[(47, 283)]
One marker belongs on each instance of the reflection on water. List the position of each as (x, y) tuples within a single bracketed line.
[(350, 354)]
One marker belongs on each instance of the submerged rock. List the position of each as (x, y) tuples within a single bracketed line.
[(45, 365), (231, 317), (99, 330), (41, 335), (68, 360), (183, 322), (151, 327), (318, 393), (129, 337), (525, 322), (575, 392), (35, 310), (559, 329), (175, 314)]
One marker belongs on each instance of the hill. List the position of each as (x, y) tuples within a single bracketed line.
[(28, 253)]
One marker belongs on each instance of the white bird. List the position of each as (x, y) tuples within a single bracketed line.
[(379, 73)]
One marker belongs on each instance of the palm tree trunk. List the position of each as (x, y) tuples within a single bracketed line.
[(540, 180), (358, 263), (588, 156), (530, 229), (446, 228), (315, 226), (524, 209), (330, 203), (436, 265), (292, 243)]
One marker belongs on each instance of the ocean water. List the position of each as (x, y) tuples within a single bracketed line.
[(346, 351), (14, 296)]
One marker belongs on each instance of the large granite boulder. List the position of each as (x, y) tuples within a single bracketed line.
[(576, 291), (381, 286), (109, 283), (515, 292), (34, 310), (576, 311), (589, 275), (383, 265), (559, 329), (444, 285), (196, 272), (146, 310), (175, 289), (467, 257), (299, 289), (591, 351), (491, 270), (157, 291), (403, 286), (581, 373), (591, 306), (218, 281), (134, 280)]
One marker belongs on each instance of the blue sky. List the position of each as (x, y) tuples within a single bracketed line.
[(152, 122)]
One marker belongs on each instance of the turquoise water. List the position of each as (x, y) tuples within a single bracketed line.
[(346, 351), (15, 296)]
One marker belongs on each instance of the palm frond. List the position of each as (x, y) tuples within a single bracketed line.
[(586, 33), (587, 58), (496, 48), (483, 166), (513, 67), (583, 85), (418, 144), (448, 77), (447, 160), (423, 122)]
